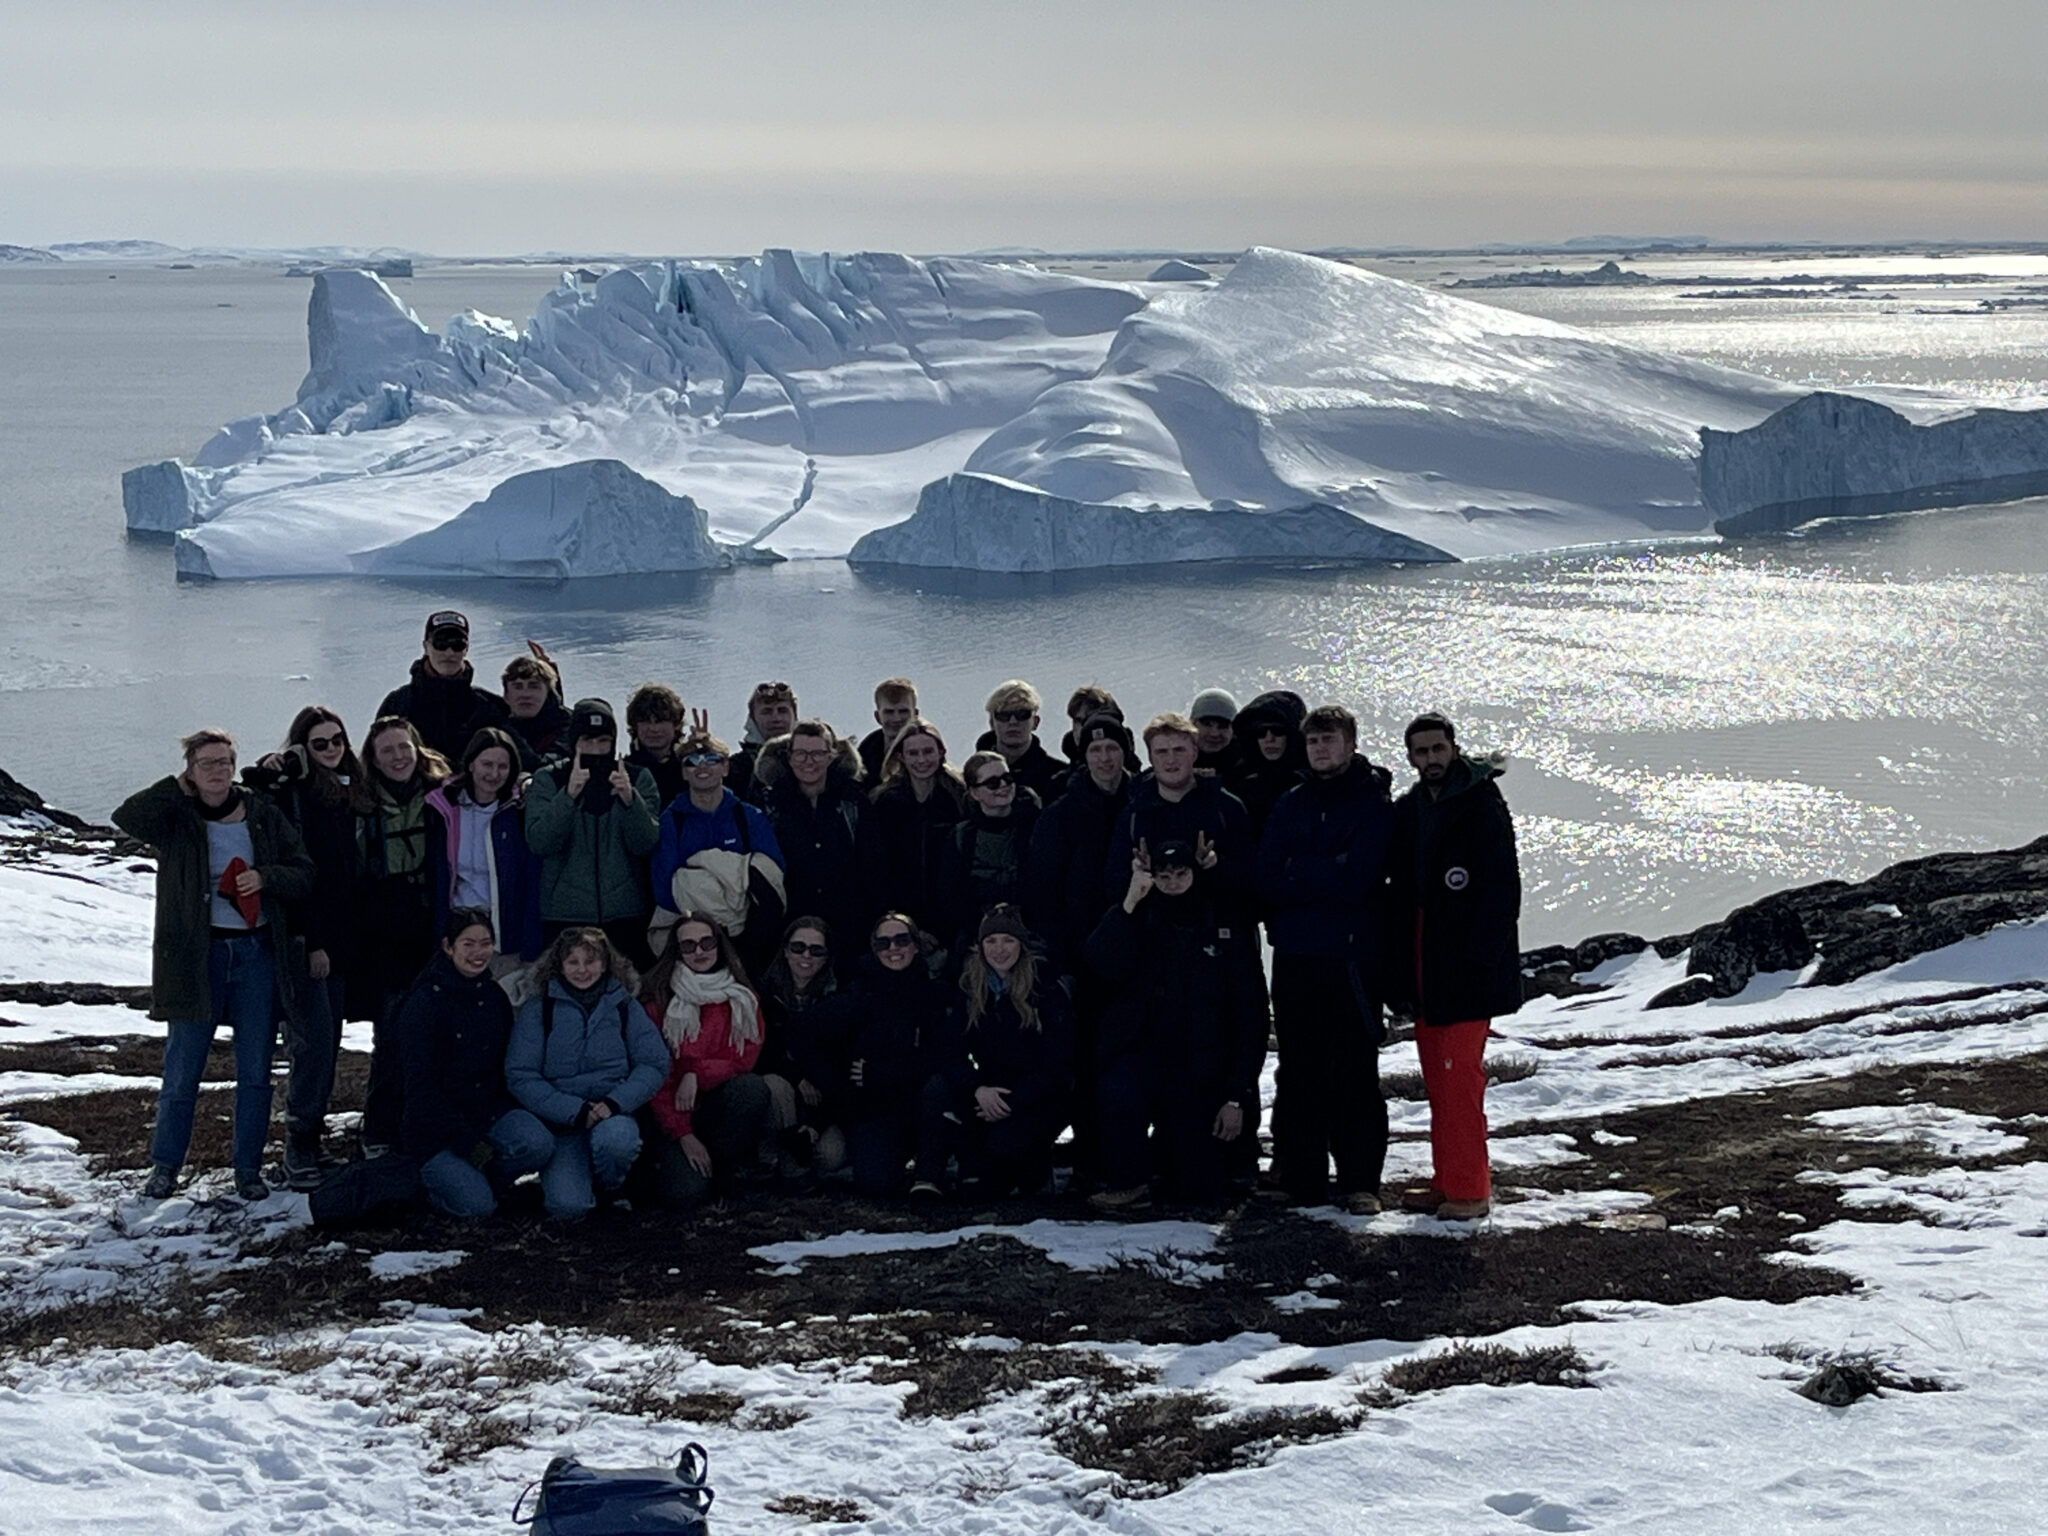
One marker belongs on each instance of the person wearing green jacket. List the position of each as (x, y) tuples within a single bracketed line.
[(227, 864), (591, 820)]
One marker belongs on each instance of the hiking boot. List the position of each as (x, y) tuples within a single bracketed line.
[(1422, 1197), (302, 1162), (1361, 1202), (1463, 1210), (250, 1187), (1116, 1202), (162, 1184)]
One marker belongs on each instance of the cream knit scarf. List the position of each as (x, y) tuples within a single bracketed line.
[(689, 991)]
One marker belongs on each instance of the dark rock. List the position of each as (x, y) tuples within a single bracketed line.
[(17, 799), (45, 994), (1603, 947), (1694, 989), (1766, 936)]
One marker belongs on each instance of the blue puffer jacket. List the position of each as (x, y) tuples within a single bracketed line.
[(562, 1057)]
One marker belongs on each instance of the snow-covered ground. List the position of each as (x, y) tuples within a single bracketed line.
[(1029, 419), (431, 1419)]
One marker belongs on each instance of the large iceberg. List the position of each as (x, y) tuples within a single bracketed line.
[(996, 416), (1831, 455)]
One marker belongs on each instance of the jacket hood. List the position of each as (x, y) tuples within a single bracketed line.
[(1478, 767), (771, 765), (423, 678)]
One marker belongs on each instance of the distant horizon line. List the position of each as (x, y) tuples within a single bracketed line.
[(77, 252)]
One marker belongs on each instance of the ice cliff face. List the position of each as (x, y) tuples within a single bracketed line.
[(1299, 408), (1830, 455)]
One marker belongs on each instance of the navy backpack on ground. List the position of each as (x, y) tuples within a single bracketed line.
[(576, 1500)]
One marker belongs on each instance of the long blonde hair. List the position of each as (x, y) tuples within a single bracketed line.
[(1023, 981), (892, 769)]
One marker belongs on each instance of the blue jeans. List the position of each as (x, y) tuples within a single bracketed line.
[(241, 980), (587, 1161), (311, 1046), (457, 1187)]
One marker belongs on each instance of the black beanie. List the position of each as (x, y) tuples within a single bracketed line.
[(1103, 726)]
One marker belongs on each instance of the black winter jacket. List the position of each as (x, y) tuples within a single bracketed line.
[(1452, 869), (984, 864), (1322, 863), (446, 711), (1063, 895), (452, 1030), (1187, 991), (1036, 1065), (1036, 770), (326, 918), (888, 1021), (1206, 810), (828, 850), (912, 839)]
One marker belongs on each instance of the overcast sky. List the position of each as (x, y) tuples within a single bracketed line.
[(505, 127)]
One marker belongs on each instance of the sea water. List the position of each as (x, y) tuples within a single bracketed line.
[(1687, 726)]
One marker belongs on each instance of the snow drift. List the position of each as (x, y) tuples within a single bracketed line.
[(1832, 455), (1300, 408)]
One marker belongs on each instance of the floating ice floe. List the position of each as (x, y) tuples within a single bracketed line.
[(1001, 417)]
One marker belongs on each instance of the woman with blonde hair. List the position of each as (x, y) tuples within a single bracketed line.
[(711, 1106), (1003, 1069), (584, 1057)]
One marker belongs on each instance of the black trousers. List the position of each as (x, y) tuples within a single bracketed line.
[(1140, 1092), (1327, 1101), (729, 1120), (1010, 1154)]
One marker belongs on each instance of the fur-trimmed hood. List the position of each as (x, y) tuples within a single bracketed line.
[(771, 766)]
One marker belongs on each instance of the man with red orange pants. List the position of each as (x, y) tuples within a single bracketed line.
[(1455, 887)]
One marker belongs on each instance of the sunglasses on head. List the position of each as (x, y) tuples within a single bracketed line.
[(703, 759), (996, 781), (327, 743), (887, 941), (1012, 716), (701, 946), (799, 947)]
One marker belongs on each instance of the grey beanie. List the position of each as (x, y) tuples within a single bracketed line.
[(1213, 704)]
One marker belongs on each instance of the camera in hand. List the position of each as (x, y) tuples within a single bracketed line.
[(598, 765)]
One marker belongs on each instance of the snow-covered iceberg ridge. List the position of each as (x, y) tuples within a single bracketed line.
[(1831, 455), (996, 417)]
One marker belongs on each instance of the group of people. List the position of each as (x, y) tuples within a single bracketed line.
[(646, 964)]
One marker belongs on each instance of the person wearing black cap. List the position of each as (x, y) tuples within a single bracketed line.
[(1002, 1086), (591, 820), (442, 700), (1182, 1041), (1322, 872)]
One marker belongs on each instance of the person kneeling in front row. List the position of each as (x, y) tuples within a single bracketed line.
[(584, 1057), (461, 1126)]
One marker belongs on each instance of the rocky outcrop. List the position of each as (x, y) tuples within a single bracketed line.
[(1849, 928)]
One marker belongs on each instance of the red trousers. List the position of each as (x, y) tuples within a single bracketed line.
[(1454, 1076)]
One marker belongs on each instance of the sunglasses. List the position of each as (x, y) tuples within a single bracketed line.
[(1012, 716), (703, 759), (996, 781), (327, 743), (799, 947), (705, 945), (449, 645), (1273, 732), (884, 942)]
